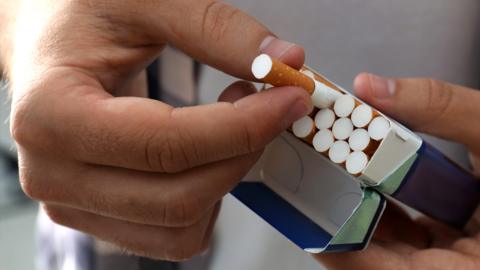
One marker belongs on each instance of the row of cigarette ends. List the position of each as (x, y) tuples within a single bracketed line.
[(341, 128)]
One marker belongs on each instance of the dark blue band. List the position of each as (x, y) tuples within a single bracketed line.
[(281, 215), (440, 188)]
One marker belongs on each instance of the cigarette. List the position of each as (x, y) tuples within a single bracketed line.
[(378, 128), (323, 140), (342, 128), (362, 116), (324, 119), (359, 140), (339, 152), (272, 71), (356, 162), (304, 128), (344, 106), (309, 74), (324, 96), (276, 73)]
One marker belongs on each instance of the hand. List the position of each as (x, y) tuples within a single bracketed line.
[(436, 108), (132, 171)]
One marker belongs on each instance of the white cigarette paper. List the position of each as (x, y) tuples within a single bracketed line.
[(324, 119), (323, 140), (303, 127), (309, 74), (342, 128), (362, 115), (379, 128), (339, 152), (324, 96), (359, 140), (273, 71), (344, 106), (356, 162)]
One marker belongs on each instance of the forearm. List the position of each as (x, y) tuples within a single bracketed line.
[(8, 11)]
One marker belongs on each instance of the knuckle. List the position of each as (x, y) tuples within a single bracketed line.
[(439, 99), (169, 156), (18, 130), (32, 187), (54, 214), (39, 180), (182, 211), (171, 209), (171, 150), (252, 139), (22, 128), (138, 210), (190, 245), (216, 19), (28, 187), (439, 95), (27, 122), (159, 157), (101, 203)]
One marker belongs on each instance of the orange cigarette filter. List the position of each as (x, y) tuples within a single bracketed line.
[(272, 71)]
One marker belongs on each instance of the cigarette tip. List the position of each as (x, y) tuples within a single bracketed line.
[(261, 66)]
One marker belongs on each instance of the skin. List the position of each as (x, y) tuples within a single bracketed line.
[(98, 154), (401, 243)]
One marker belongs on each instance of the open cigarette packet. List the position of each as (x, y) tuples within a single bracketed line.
[(322, 184)]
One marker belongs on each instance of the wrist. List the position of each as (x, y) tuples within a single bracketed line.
[(8, 11)]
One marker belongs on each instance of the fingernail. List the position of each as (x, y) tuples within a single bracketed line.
[(381, 87), (275, 47), (299, 109)]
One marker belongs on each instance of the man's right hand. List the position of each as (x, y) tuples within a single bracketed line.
[(129, 170)]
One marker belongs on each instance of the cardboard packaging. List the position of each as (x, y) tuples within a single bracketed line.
[(321, 207)]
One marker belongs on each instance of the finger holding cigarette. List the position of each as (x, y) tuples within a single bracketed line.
[(272, 71)]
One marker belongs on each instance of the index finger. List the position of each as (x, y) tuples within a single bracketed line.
[(148, 135), (215, 33)]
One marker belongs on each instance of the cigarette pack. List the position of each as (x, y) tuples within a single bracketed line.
[(321, 205)]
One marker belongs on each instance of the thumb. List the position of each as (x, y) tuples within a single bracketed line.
[(217, 34), (426, 105)]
